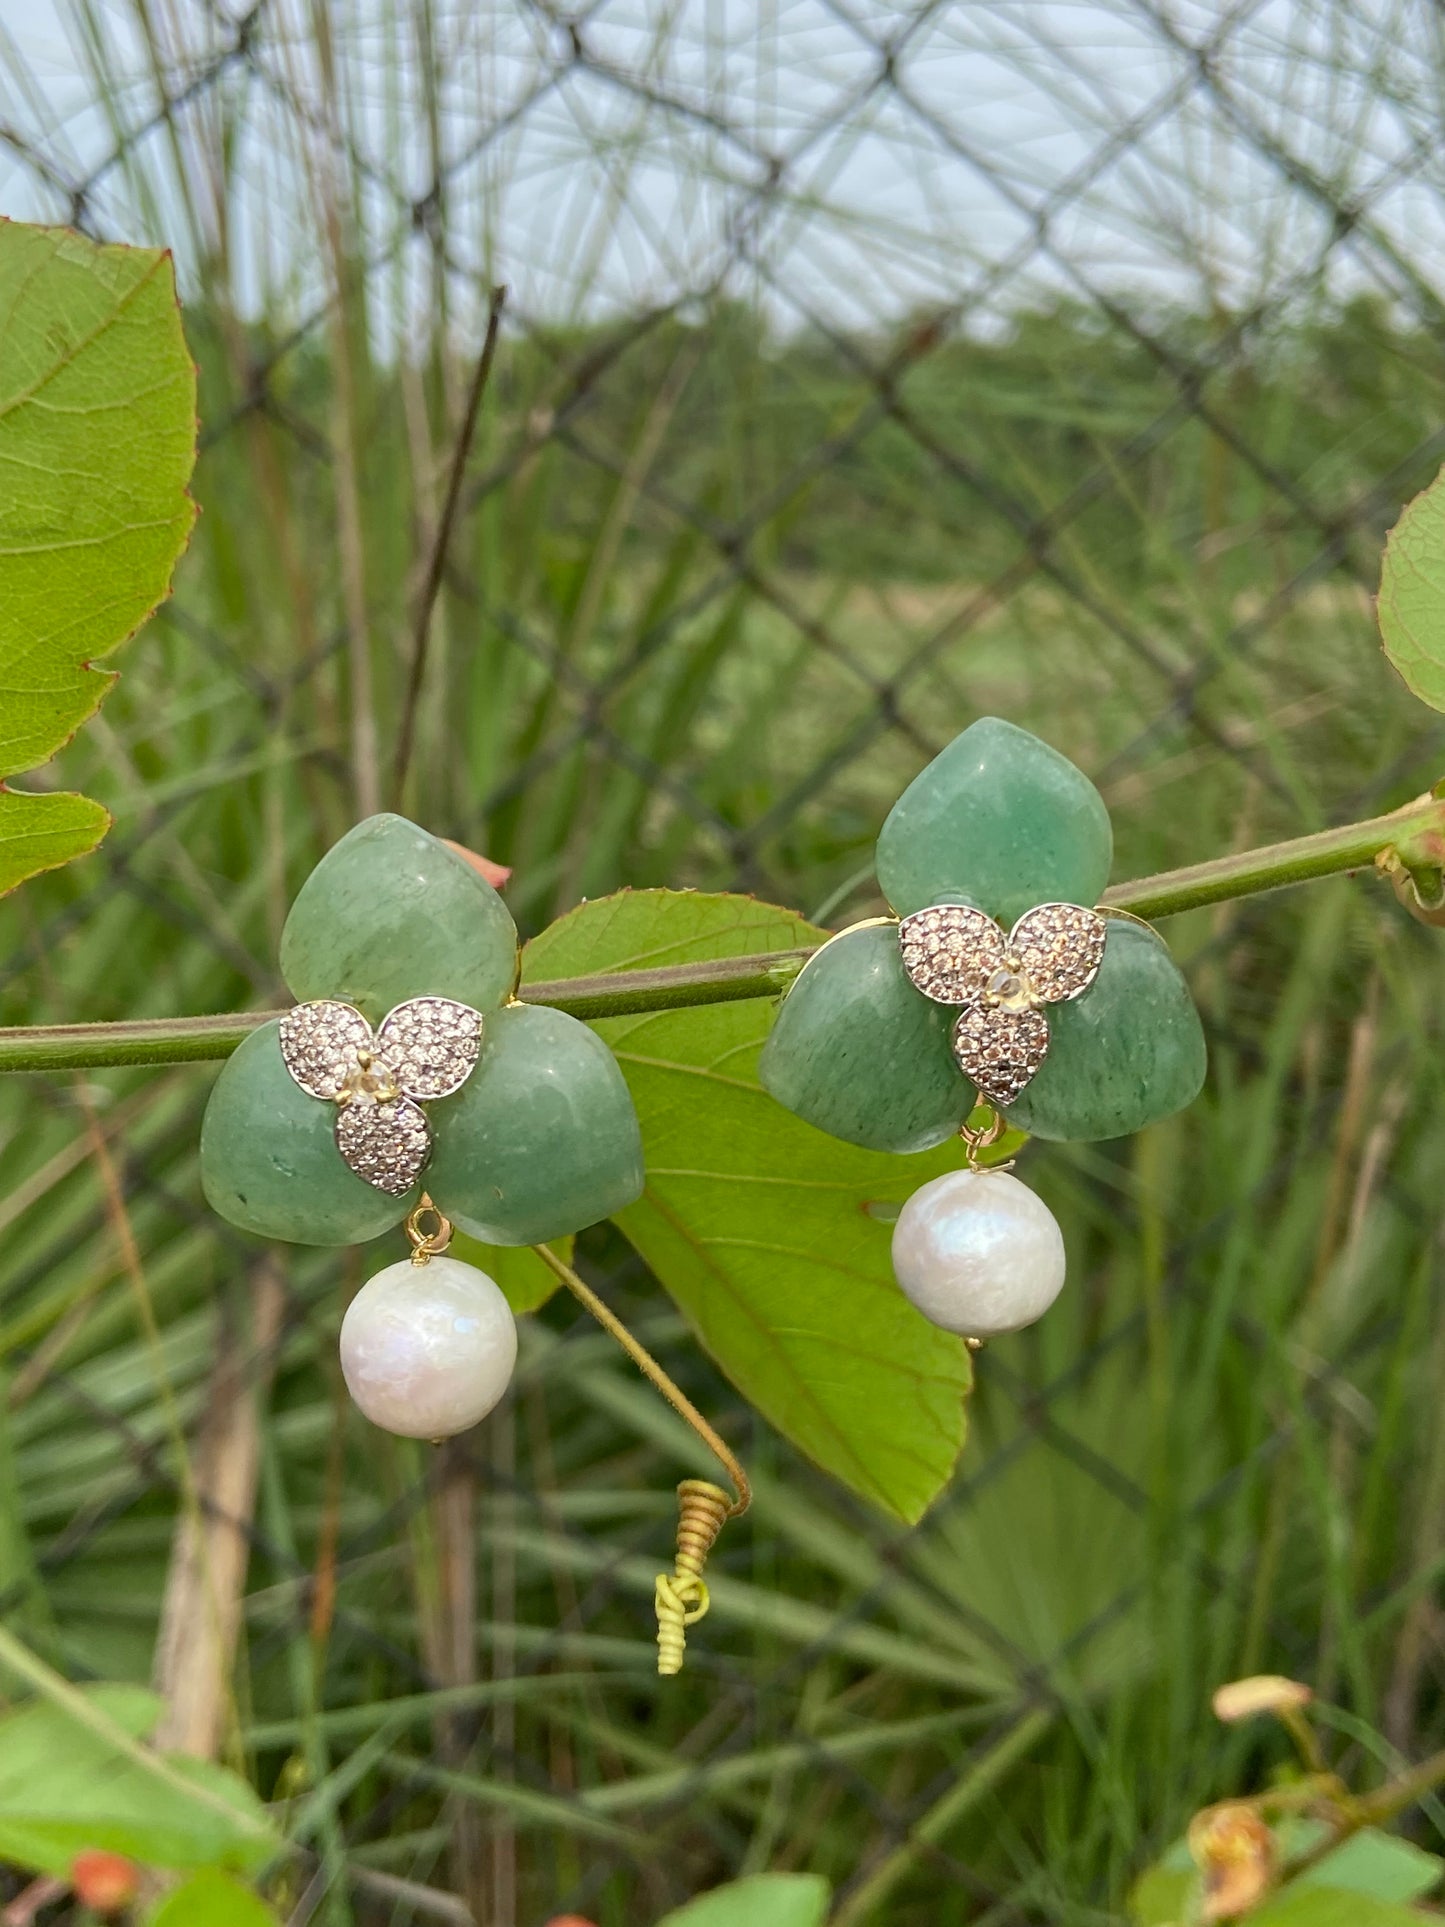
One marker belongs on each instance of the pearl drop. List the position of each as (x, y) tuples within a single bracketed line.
[(978, 1253), (427, 1350)]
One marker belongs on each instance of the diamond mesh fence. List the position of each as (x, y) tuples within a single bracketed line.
[(864, 369)]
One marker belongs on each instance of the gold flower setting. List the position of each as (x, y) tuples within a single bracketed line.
[(1003, 981), (425, 1048)]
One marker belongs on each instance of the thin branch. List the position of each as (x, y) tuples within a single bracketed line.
[(1353, 846), (25, 1906), (181, 1040), (1417, 831), (437, 562), (1345, 1814), (653, 1372)]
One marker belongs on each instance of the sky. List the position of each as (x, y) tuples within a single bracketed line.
[(840, 163)]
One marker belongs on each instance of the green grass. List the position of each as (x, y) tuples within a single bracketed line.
[(1223, 1452)]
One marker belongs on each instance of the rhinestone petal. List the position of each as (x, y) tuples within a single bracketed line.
[(431, 1045), (950, 951), (388, 1144), (1000, 1049), (1060, 947), (319, 1042)]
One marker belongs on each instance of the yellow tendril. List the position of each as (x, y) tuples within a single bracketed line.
[(681, 1596)]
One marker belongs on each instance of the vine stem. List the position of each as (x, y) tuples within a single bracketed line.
[(1416, 832), (1418, 828), (1352, 1813), (653, 1372)]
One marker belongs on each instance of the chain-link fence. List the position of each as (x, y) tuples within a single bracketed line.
[(863, 370)]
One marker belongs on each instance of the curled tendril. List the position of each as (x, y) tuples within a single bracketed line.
[(681, 1596)]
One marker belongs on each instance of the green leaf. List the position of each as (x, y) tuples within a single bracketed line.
[(42, 832), (212, 1899), (762, 1900), (1375, 1863), (1162, 1899), (1165, 1894), (97, 443), (1370, 1863), (1306, 1905), (525, 1281), (772, 1238), (1412, 595), (63, 1788)]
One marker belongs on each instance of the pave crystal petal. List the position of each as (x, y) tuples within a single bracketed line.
[(1059, 947), (1131, 1051), (1000, 1050), (387, 1143), (950, 951), (431, 1045), (319, 1042)]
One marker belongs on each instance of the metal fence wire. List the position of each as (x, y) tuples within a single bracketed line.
[(864, 368)]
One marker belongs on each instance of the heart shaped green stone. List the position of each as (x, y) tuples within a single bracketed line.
[(999, 820), (542, 1138), (391, 912), (269, 1161), (861, 1054)]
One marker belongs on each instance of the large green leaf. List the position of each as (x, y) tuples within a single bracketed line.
[(762, 1900), (65, 1787), (212, 1899), (772, 1238), (1412, 595), (97, 443)]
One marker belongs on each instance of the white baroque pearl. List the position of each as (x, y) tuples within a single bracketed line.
[(427, 1350), (978, 1253)]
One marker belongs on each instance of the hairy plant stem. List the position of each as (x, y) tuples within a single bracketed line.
[(653, 1372), (1347, 1814), (1302, 860), (1416, 832)]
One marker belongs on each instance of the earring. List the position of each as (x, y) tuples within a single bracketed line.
[(992, 984), (408, 1052)]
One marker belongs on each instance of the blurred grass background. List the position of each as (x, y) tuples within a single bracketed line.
[(864, 370)]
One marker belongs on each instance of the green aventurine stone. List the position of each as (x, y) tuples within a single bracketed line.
[(1130, 1050), (858, 1052), (269, 1161), (390, 913), (542, 1138), (1002, 821)]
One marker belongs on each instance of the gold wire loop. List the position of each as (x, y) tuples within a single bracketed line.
[(427, 1244), (978, 1138), (681, 1596)]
